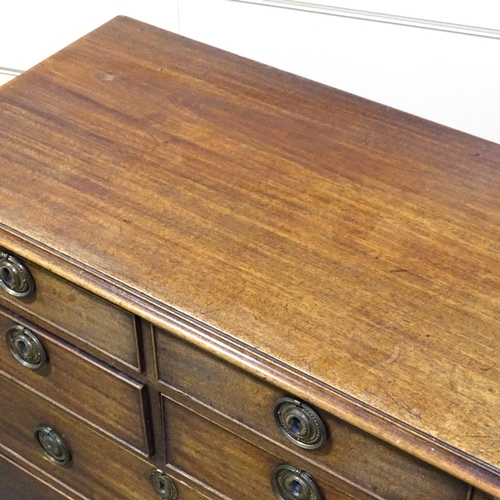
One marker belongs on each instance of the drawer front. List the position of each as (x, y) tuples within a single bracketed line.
[(98, 469), (228, 463), (97, 393), (18, 484), (349, 452), (79, 313), (481, 495)]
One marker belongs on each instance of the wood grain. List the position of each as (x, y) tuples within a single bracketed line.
[(237, 469), (480, 495), (102, 396), (98, 468), (82, 315), (19, 484), (350, 243), (348, 452)]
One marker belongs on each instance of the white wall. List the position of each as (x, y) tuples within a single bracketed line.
[(31, 30), (445, 76)]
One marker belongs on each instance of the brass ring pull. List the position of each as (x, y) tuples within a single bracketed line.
[(15, 279), (290, 483), (163, 485), (52, 445), (300, 423), (25, 347)]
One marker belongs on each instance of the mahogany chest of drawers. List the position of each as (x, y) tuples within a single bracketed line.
[(222, 281)]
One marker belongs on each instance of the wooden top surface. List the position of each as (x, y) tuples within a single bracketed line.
[(353, 243)]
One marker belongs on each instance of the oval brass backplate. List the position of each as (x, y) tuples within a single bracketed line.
[(290, 483), (163, 485), (52, 445), (25, 346), (300, 423), (15, 279)]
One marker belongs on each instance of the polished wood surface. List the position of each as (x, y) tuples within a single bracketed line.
[(103, 397), (81, 314), (98, 467), (348, 452), (237, 469), (342, 250), (480, 495), (19, 484)]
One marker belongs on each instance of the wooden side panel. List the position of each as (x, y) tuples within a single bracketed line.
[(80, 313)]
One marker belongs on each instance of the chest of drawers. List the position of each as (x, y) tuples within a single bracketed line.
[(223, 281)]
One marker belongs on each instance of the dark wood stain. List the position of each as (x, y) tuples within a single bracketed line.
[(341, 250)]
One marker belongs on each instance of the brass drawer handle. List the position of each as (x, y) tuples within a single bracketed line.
[(52, 445), (163, 485), (290, 483), (15, 279), (300, 423), (25, 347)]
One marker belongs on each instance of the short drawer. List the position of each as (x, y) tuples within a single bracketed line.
[(235, 467), (19, 484), (84, 385), (97, 467), (69, 307), (348, 452)]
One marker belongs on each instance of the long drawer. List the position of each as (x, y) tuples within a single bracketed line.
[(19, 484), (97, 467), (237, 468), (347, 451)]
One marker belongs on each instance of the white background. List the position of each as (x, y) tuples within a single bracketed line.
[(450, 78)]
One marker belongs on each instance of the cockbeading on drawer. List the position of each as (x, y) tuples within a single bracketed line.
[(58, 302), (98, 393), (19, 484), (237, 468), (98, 467), (347, 451)]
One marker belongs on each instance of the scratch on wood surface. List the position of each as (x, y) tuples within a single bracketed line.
[(393, 357), (454, 379), (401, 403)]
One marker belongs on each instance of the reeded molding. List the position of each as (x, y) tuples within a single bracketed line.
[(380, 17)]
